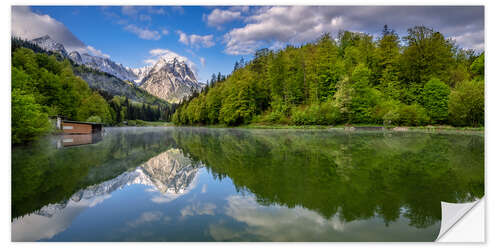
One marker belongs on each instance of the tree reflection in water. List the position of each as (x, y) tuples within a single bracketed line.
[(321, 175)]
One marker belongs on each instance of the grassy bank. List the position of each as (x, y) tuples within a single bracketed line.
[(352, 127), (141, 123), (430, 128)]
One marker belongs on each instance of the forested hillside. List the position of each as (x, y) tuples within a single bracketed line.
[(43, 85), (419, 79)]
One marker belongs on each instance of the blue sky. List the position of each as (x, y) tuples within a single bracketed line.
[(104, 28), (213, 38)]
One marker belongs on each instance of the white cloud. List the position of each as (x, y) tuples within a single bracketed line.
[(29, 25), (295, 24), (155, 55), (204, 41), (160, 52), (166, 53), (183, 38), (202, 61), (150, 61), (196, 41), (96, 52), (143, 33), (472, 40), (299, 24), (218, 17), (141, 13)]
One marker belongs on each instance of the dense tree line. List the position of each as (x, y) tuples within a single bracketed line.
[(43, 85), (419, 79), (126, 109)]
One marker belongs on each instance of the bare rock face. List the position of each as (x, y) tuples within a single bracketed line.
[(171, 79)]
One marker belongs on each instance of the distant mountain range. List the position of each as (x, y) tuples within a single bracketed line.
[(170, 78)]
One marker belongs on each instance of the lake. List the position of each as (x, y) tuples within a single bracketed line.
[(211, 184)]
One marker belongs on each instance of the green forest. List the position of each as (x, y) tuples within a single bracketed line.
[(43, 85), (419, 79)]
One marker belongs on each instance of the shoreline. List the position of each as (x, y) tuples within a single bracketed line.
[(352, 127)]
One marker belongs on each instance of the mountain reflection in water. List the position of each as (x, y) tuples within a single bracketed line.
[(195, 184), (170, 173)]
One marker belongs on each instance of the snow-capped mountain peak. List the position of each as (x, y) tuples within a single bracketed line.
[(170, 78)]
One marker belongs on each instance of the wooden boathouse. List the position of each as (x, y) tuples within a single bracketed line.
[(77, 127)]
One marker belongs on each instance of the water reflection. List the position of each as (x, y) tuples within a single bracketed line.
[(169, 173), (279, 223), (70, 140), (350, 175), (194, 184)]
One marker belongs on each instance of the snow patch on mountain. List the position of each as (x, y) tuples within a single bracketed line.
[(170, 78)]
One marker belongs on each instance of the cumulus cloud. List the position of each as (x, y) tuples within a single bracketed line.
[(218, 17), (183, 38), (299, 24), (154, 56), (204, 41), (29, 25), (130, 15), (96, 52), (143, 33), (196, 41), (472, 40), (202, 61)]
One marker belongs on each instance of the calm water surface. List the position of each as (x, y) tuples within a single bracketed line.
[(197, 184)]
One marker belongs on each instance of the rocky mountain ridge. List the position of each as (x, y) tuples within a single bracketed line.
[(170, 78)]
